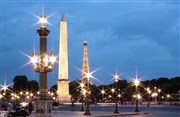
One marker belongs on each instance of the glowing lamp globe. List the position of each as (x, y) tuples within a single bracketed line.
[(102, 91), (34, 58), (136, 82), (116, 78), (43, 20)]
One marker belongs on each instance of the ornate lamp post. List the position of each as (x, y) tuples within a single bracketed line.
[(102, 92), (168, 96), (4, 88), (149, 96), (113, 90), (88, 76), (40, 65), (136, 83), (82, 96), (116, 79), (119, 96), (159, 91)]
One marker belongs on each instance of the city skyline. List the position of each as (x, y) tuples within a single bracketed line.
[(122, 37)]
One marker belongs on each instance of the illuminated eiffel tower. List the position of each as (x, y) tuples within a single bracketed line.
[(85, 65)]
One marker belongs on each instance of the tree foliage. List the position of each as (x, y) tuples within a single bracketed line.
[(21, 83)]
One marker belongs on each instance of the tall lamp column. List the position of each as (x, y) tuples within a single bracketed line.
[(136, 83), (102, 92), (82, 96), (41, 65), (149, 97), (116, 79)]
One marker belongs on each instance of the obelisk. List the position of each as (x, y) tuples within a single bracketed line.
[(63, 82)]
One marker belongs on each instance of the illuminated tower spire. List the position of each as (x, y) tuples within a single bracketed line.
[(85, 65), (63, 82)]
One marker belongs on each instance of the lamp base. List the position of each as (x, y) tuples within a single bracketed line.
[(136, 110), (87, 113), (43, 105)]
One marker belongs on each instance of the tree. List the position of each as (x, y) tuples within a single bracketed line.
[(20, 83), (75, 89), (53, 88), (163, 80), (33, 86)]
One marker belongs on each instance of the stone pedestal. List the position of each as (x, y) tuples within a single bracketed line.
[(63, 90), (43, 105)]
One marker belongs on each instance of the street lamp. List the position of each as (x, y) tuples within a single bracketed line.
[(82, 95), (88, 76), (113, 90), (159, 92), (102, 92), (149, 95), (156, 94), (116, 79), (43, 64), (136, 83), (168, 96), (119, 96), (4, 87)]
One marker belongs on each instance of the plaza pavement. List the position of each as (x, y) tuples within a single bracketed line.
[(106, 110), (80, 114), (93, 114)]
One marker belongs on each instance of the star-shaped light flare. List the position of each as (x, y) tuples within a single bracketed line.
[(35, 58), (5, 86), (136, 81), (43, 19), (89, 74), (116, 76), (31, 59), (102, 91)]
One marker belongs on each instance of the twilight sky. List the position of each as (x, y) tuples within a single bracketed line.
[(122, 37)]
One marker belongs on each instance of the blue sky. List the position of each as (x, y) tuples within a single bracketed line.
[(123, 36)]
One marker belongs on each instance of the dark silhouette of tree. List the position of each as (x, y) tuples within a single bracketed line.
[(53, 88), (33, 86), (20, 83), (75, 89), (154, 82), (161, 81), (94, 91)]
